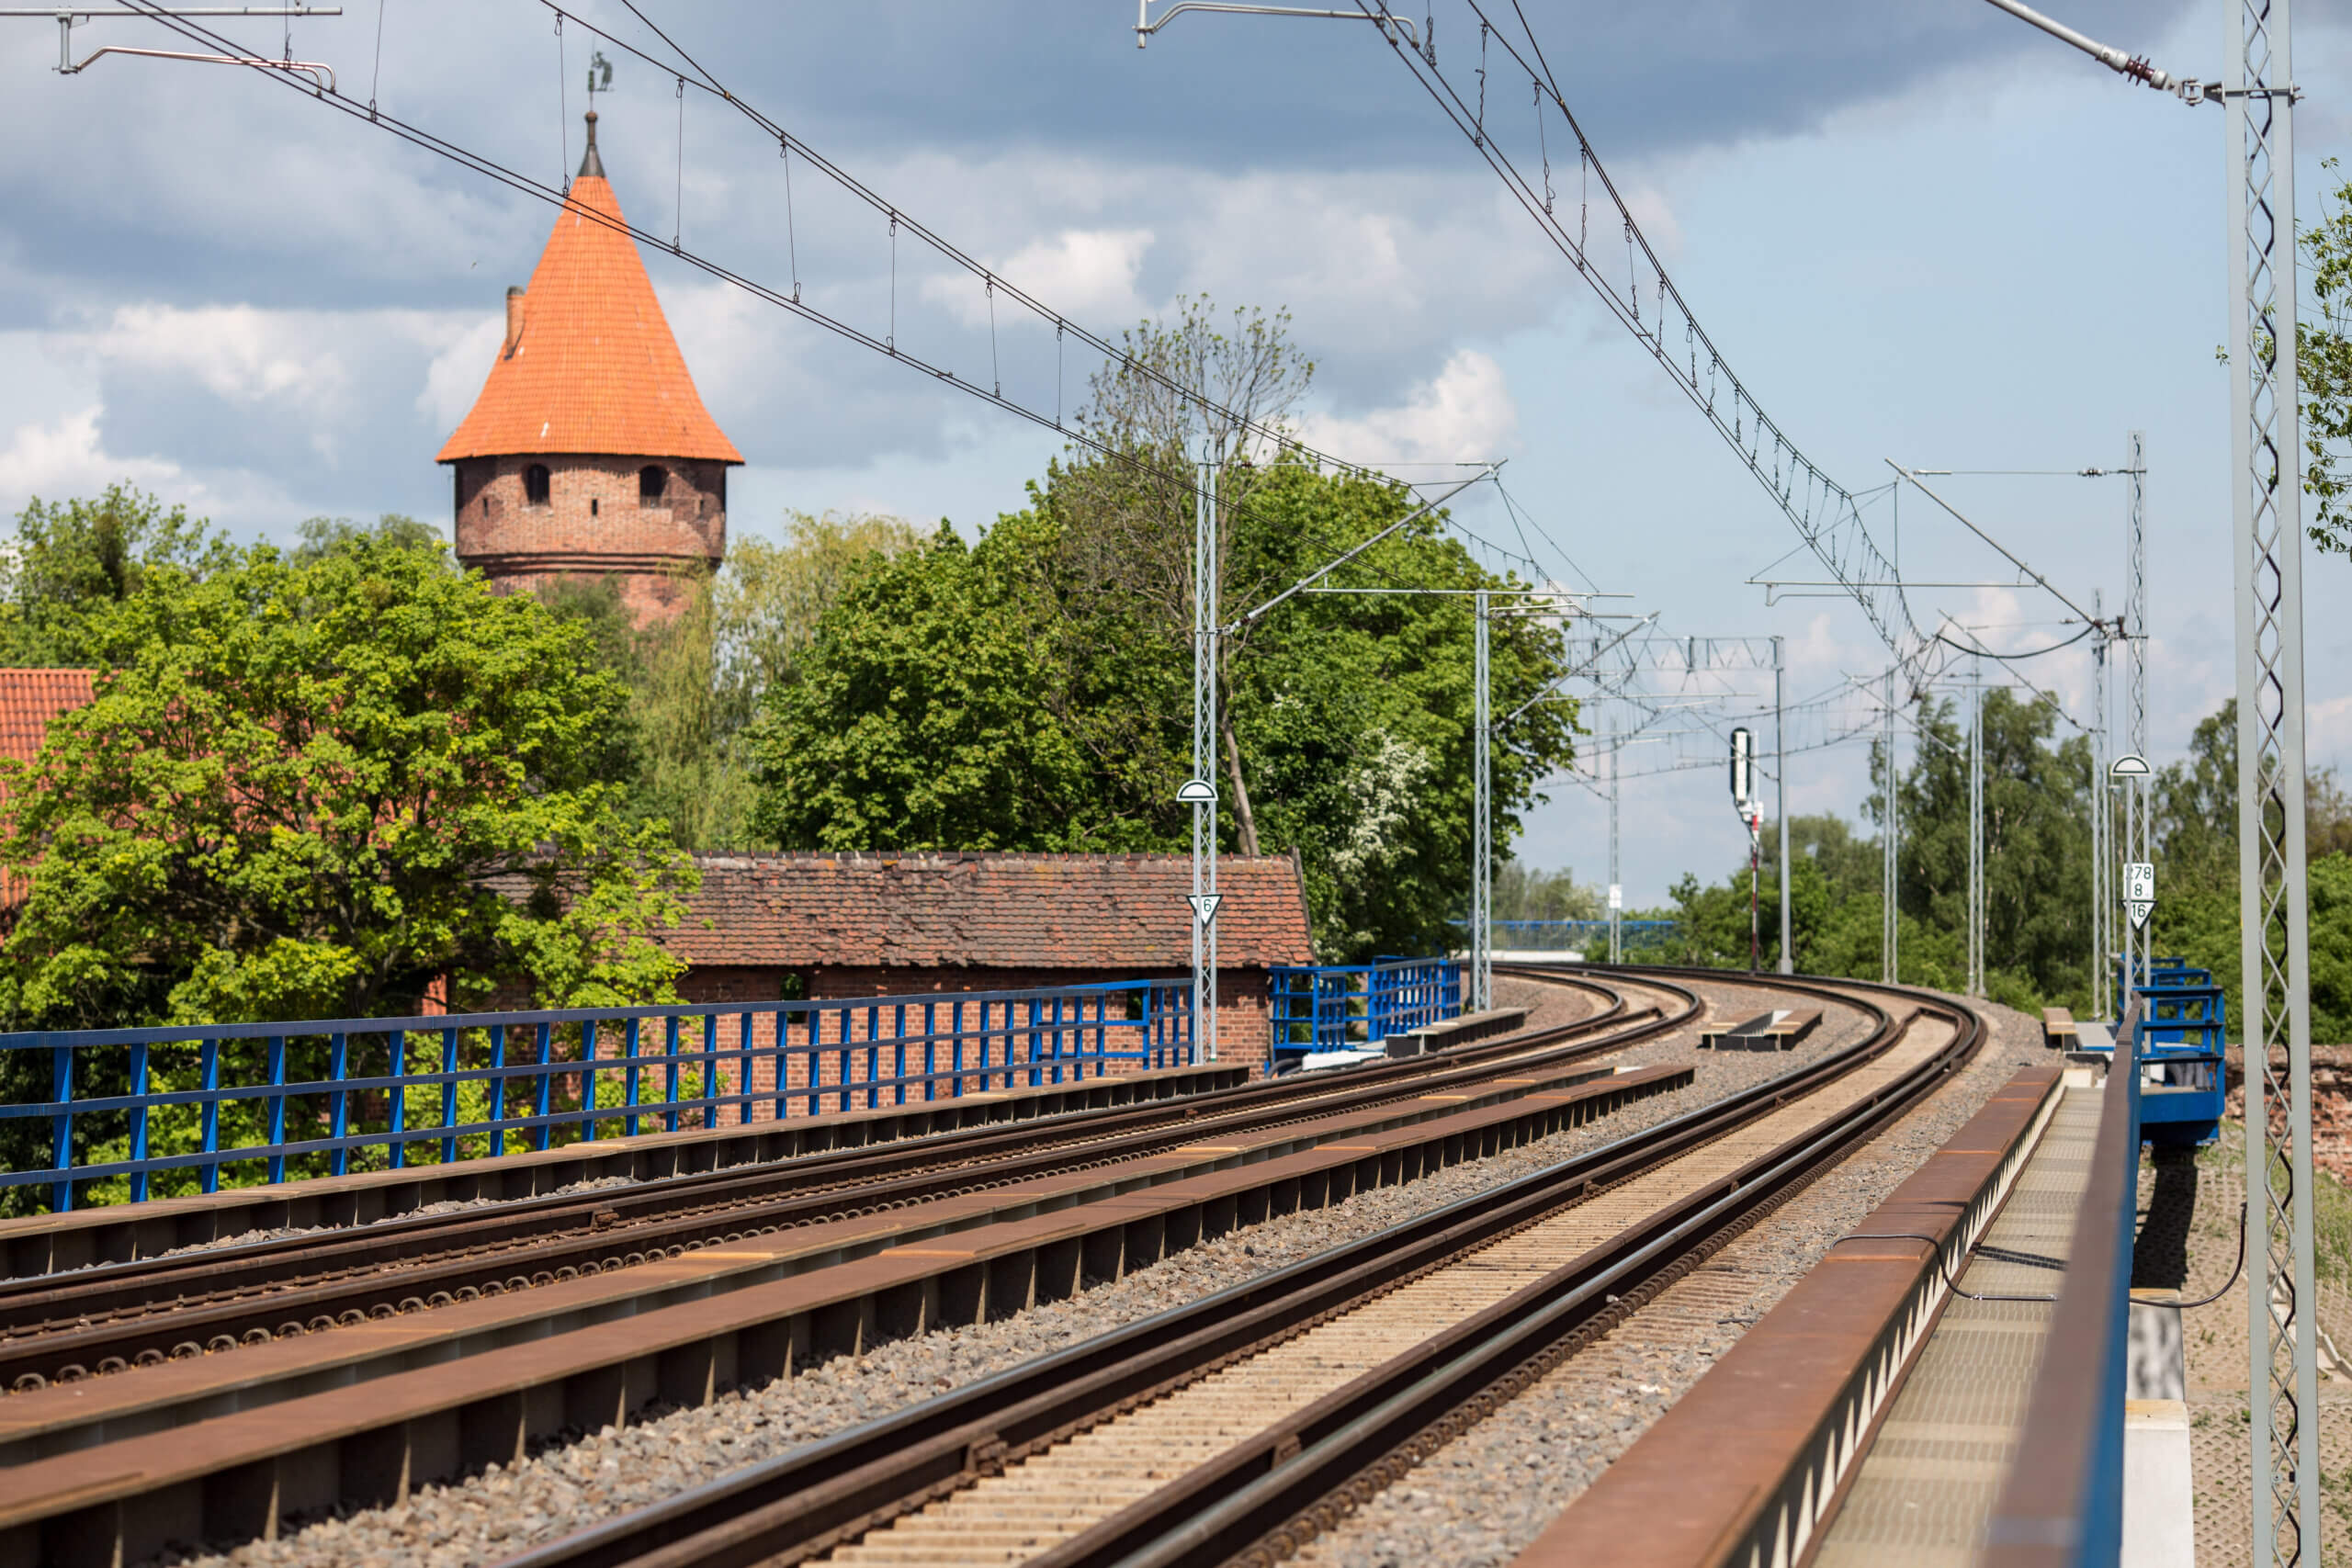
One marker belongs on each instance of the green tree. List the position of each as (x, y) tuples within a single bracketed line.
[(1523, 892), (1021, 693), (2323, 363), (2037, 861), (311, 788), (71, 561), (695, 679), (326, 535)]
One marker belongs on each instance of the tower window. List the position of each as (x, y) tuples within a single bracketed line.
[(592, 506), (535, 485), (651, 480)]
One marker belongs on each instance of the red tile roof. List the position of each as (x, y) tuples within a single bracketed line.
[(594, 368), (1088, 912), (29, 699)]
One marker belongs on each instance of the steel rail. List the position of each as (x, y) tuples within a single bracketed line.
[(93, 1496), (808, 1501), (985, 1138), (123, 1317)]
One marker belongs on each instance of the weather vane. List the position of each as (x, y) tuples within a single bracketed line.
[(600, 76)]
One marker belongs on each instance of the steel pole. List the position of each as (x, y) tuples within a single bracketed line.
[(2135, 665), (2104, 973), (1482, 837), (1976, 829), (1204, 751), (1616, 877), (2273, 912), (1780, 795), (1889, 849)]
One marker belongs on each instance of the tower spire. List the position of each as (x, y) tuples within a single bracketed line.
[(591, 165)]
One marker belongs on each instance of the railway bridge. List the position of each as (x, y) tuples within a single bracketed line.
[(1639, 1266)]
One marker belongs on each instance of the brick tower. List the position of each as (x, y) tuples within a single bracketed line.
[(588, 453)]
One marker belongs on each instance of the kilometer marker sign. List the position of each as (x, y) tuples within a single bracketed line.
[(2139, 892)]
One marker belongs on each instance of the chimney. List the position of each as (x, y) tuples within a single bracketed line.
[(513, 323)]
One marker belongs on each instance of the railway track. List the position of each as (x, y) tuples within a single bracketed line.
[(1235, 1428), (125, 1316), (224, 1445)]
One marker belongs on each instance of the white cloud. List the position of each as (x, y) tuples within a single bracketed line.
[(65, 457), (1465, 413), (1088, 274), (455, 377), (237, 352)]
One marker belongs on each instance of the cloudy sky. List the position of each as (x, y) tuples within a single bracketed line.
[(1922, 233)]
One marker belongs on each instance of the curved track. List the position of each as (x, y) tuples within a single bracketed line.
[(1234, 1429)]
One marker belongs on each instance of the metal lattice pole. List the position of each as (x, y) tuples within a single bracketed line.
[(1890, 842), (1482, 845), (1976, 831), (2266, 447), (2102, 830), (1781, 796), (1205, 741), (2135, 666), (1616, 877)]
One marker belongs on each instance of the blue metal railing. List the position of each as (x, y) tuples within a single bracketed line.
[(328, 1097), (2182, 1016), (1549, 936), (1330, 1007)]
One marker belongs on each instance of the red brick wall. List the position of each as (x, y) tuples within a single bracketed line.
[(592, 523)]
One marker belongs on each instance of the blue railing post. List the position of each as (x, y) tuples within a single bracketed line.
[(138, 1122), (61, 1084), (449, 1095), (929, 1051), (497, 1089), (278, 1109), (955, 1025), (210, 1074), (588, 1074), (339, 1120), (543, 1101), (628, 1052), (899, 1051), (670, 1076), (709, 1069), (397, 1042)]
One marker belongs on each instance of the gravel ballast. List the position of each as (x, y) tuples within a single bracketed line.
[(1478, 1501), (570, 1484)]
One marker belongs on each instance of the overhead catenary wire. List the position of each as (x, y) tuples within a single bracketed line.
[(481, 164), (707, 81), (1826, 516)]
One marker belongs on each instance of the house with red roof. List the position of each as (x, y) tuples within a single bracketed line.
[(28, 700), (766, 927)]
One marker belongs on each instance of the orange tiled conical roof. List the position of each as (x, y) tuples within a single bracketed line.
[(593, 368)]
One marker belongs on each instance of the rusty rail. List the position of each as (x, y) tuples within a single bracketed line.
[(803, 1503)]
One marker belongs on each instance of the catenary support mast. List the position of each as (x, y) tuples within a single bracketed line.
[(2258, 97), (1482, 890), (1205, 741)]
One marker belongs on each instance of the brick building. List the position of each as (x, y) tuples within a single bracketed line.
[(28, 700), (589, 452), (819, 925)]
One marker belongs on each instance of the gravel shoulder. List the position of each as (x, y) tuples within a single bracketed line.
[(585, 1477)]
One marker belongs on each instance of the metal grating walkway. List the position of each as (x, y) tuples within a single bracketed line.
[(1935, 1472)]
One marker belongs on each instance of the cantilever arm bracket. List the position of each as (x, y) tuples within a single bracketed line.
[(1145, 27)]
